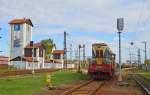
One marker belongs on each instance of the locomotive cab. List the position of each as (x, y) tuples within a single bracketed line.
[(103, 61)]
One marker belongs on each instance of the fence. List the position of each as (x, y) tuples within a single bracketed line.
[(145, 66)]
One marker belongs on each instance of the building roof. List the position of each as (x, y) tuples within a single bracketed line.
[(35, 45), (58, 52), (57, 61), (3, 60), (19, 58), (21, 21), (3, 56)]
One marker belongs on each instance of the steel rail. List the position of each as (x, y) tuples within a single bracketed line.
[(78, 88), (144, 88)]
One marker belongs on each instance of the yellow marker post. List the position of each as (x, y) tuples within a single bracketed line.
[(49, 81)]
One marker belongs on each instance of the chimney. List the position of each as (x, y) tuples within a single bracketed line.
[(31, 43)]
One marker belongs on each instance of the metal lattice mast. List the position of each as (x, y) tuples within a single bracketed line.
[(139, 57), (71, 53), (65, 50)]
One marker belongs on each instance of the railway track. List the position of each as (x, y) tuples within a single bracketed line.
[(24, 72), (87, 88), (143, 83)]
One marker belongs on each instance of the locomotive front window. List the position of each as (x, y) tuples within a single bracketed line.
[(101, 54), (97, 54), (106, 54)]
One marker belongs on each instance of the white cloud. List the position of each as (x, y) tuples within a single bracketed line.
[(95, 15), (85, 15)]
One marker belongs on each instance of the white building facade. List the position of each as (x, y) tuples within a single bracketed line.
[(57, 60), (24, 54), (20, 36)]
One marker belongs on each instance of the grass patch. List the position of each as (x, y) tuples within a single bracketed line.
[(21, 85), (63, 77), (27, 85), (146, 74)]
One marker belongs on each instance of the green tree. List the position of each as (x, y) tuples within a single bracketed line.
[(48, 44)]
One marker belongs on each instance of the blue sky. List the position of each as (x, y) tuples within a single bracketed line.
[(86, 21)]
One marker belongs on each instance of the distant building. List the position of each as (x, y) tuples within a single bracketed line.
[(3, 60), (58, 58), (147, 61), (24, 54), (31, 60), (20, 36), (57, 61), (146, 65)]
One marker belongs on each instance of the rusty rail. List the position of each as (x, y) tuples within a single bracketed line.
[(85, 88), (141, 82)]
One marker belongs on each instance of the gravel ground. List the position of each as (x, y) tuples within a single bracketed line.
[(60, 89), (111, 87)]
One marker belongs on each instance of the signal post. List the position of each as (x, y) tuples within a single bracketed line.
[(120, 25)]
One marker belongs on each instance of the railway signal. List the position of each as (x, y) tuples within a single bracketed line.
[(120, 26)]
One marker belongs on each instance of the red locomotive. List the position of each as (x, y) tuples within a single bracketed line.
[(103, 61)]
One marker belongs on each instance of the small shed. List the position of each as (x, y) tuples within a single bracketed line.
[(58, 58), (4, 61)]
